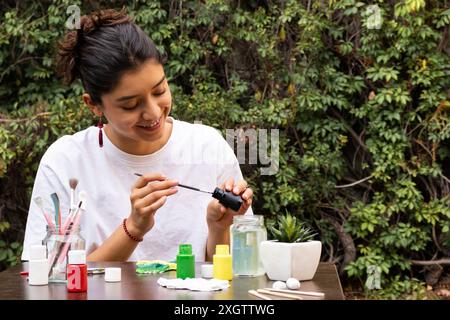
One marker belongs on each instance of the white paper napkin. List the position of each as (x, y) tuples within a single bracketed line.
[(195, 284)]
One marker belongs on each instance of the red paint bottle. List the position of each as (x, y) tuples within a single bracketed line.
[(77, 271)]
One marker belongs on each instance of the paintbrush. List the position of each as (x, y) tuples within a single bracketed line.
[(182, 185), (74, 223), (55, 200), (40, 203), (73, 185), (73, 207), (59, 255)]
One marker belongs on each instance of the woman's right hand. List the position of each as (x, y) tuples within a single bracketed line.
[(149, 193)]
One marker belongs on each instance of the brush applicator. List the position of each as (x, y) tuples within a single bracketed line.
[(73, 185), (73, 207), (227, 198)]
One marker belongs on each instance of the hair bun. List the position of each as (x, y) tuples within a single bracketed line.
[(68, 48), (66, 57), (108, 17)]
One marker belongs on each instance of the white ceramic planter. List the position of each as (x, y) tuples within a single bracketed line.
[(283, 260)]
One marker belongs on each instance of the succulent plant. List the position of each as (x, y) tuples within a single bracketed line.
[(288, 228)]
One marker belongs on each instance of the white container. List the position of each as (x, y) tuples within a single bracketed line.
[(77, 257), (207, 271), (283, 260), (113, 274), (38, 266)]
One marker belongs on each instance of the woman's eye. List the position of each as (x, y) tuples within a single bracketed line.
[(131, 107), (160, 93), (156, 94)]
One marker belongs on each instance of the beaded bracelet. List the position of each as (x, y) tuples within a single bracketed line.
[(128, 233)]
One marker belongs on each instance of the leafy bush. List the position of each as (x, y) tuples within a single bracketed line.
[(9, 252), (362, 112), (404, 289)]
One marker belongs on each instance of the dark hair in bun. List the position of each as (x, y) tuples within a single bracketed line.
[(107, 45)]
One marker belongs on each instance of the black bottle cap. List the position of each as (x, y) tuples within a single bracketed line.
[(228, 199)]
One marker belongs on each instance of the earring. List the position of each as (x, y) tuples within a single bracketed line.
[(100, 132)]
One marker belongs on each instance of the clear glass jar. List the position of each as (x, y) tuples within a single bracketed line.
[(58, 245), (247, 232)]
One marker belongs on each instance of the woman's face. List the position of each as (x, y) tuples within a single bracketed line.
[(137, 110)]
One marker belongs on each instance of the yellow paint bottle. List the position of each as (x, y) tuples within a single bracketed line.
[(222, 263)]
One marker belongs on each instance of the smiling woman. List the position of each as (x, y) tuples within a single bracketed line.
[(124, 81)]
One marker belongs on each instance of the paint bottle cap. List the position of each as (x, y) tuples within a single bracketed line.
[(38, 252), (113, 274), (77, 257), (185, 249), (228, 199), (207, 271), (222, 249)]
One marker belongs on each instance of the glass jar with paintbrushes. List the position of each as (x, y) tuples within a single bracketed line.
[(62, 237), (55, 241)]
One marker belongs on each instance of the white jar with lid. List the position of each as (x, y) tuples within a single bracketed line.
[(38, 266)]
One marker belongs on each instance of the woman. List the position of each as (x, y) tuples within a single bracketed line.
[(122, 74)]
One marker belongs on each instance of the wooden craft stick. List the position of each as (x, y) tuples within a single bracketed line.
[(279, 294), (304, 293), (261, 296)]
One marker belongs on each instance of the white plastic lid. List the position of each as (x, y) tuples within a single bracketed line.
[(113, 274), (77, 257), (38, 252), (207, 271)]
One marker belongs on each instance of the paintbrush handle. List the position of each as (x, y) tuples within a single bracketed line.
[(55, 200), (180, 185), (59, 221), (64, 250), (188, 187), (69, 219), (49, 221)]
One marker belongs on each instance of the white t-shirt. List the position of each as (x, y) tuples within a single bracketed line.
[(195, 155)]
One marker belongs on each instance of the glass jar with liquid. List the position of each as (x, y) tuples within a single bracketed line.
[(58, 244), (247, 232)]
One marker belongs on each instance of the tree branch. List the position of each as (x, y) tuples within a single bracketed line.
[(354, 183), (39, 115), (445, 178), (346, 240), (430, 262)]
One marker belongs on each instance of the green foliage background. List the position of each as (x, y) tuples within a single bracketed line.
[(362, 113)]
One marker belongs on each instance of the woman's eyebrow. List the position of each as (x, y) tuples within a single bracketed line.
[(159, 82), (134, 96)]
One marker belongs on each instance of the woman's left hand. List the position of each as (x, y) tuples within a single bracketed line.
[(220, 218)]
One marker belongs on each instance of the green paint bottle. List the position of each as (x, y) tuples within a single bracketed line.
[(185, 262)]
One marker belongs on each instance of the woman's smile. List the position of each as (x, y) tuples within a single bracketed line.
[(151, 126)]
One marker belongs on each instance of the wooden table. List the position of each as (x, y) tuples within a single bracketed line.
[(144, 287)]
